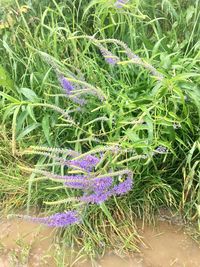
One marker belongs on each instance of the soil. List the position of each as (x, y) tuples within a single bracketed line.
[(25, 244)]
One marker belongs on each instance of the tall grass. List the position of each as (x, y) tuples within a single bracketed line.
[(139, 113)]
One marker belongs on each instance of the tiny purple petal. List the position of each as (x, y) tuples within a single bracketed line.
[(110, 60)]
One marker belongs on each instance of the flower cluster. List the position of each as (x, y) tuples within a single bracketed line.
[(73, 85), (87, 163), (70, 90), (109, 57), (94, 188), (56, 220), (87, 184), (123, 187), (66, 85), (134, 59), (77, 89), (102, 193)]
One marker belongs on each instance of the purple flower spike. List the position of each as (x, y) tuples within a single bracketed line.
[(121, 3), (80, 101), (57, 220), (70, 89), (123, 187), (99, 185), (86, 163), (66, 85), (95, 197), (77, 182), (110, 60), (109, 57), (103, 190)]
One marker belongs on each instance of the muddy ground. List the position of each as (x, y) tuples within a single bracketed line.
[(25, 244)]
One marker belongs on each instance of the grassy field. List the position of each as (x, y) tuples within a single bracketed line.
[(151, 114)]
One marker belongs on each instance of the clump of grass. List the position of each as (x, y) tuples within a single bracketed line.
[(13, 193)]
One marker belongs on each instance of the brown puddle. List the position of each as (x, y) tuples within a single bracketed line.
[(168, 245), (24, 244)]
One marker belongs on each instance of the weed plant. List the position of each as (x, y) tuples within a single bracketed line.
[(139, 113)]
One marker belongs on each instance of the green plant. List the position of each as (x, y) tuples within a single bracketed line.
[(139, 113)]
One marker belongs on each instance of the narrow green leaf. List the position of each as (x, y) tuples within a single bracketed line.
[(27, 130), (46, 128)]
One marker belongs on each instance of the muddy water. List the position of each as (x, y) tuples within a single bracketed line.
[(168, 245), (24, 244)]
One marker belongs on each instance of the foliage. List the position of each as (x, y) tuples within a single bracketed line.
[(139, 113)]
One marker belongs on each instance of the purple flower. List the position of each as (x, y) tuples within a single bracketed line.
[(123, 187), (134, 58), (70, 89), (75, 90), (103, 190), (66, 85), (57, 220), (97, 197), (128, 51), (66, 178), (121, 3), (80, 101), (109, 57), (83, 182), (99, 185), (85, 163), (77, 182)]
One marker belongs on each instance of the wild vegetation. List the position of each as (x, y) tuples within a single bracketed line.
[(117, 83)]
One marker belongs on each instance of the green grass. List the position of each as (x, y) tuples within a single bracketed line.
[(138, 113)]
